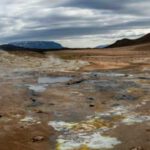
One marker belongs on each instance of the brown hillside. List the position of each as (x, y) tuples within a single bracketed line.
[(129, 42)]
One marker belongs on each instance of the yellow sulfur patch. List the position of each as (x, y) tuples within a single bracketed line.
[(91, 125), (135, 91), (84, 147), (58, 146), (117, 118)]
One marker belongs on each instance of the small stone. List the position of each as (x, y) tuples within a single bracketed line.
[(90, 98), (33, 100), (91, 105), (51, 104), (115, 105), (38, 138), (22, 127), (75, 81), (148, 130), (40, 112), (103, 103)]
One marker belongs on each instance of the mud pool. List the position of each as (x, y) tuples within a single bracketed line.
[(52, 80), (43, 82)]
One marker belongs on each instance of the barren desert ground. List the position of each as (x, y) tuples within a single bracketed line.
[(87, 99)]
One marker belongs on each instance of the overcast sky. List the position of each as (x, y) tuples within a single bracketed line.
[(74, 23)]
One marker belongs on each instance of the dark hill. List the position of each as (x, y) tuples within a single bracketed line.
[(32, 46), (129, 42)]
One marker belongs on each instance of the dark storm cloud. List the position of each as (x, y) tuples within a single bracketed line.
[(79, 31), (122, 6), (97, 4), (72, 19)]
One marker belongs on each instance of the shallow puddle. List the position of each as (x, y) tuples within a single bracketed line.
[(52, 80), (108, 74), (43, 82)]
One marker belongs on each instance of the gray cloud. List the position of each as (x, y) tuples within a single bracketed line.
[(94, 4), (116, 6), (93, 22)]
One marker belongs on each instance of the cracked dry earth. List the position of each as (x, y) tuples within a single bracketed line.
[(74, 108)]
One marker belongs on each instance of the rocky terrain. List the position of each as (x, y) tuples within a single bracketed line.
[(75, 99)]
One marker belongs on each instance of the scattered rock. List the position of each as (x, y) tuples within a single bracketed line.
[(147, 130), (40, 112), (91, 98), (92, 105), (33, 93), (75, 81), (115, 105), (22, 127), (33, 100), (35, 103), (144, 78), (103, 103), (126, 97), (38, 138), (51, 104)]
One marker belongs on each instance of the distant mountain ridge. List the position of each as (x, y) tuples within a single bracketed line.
[(101, 46), (129, 42), (32, 45)]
